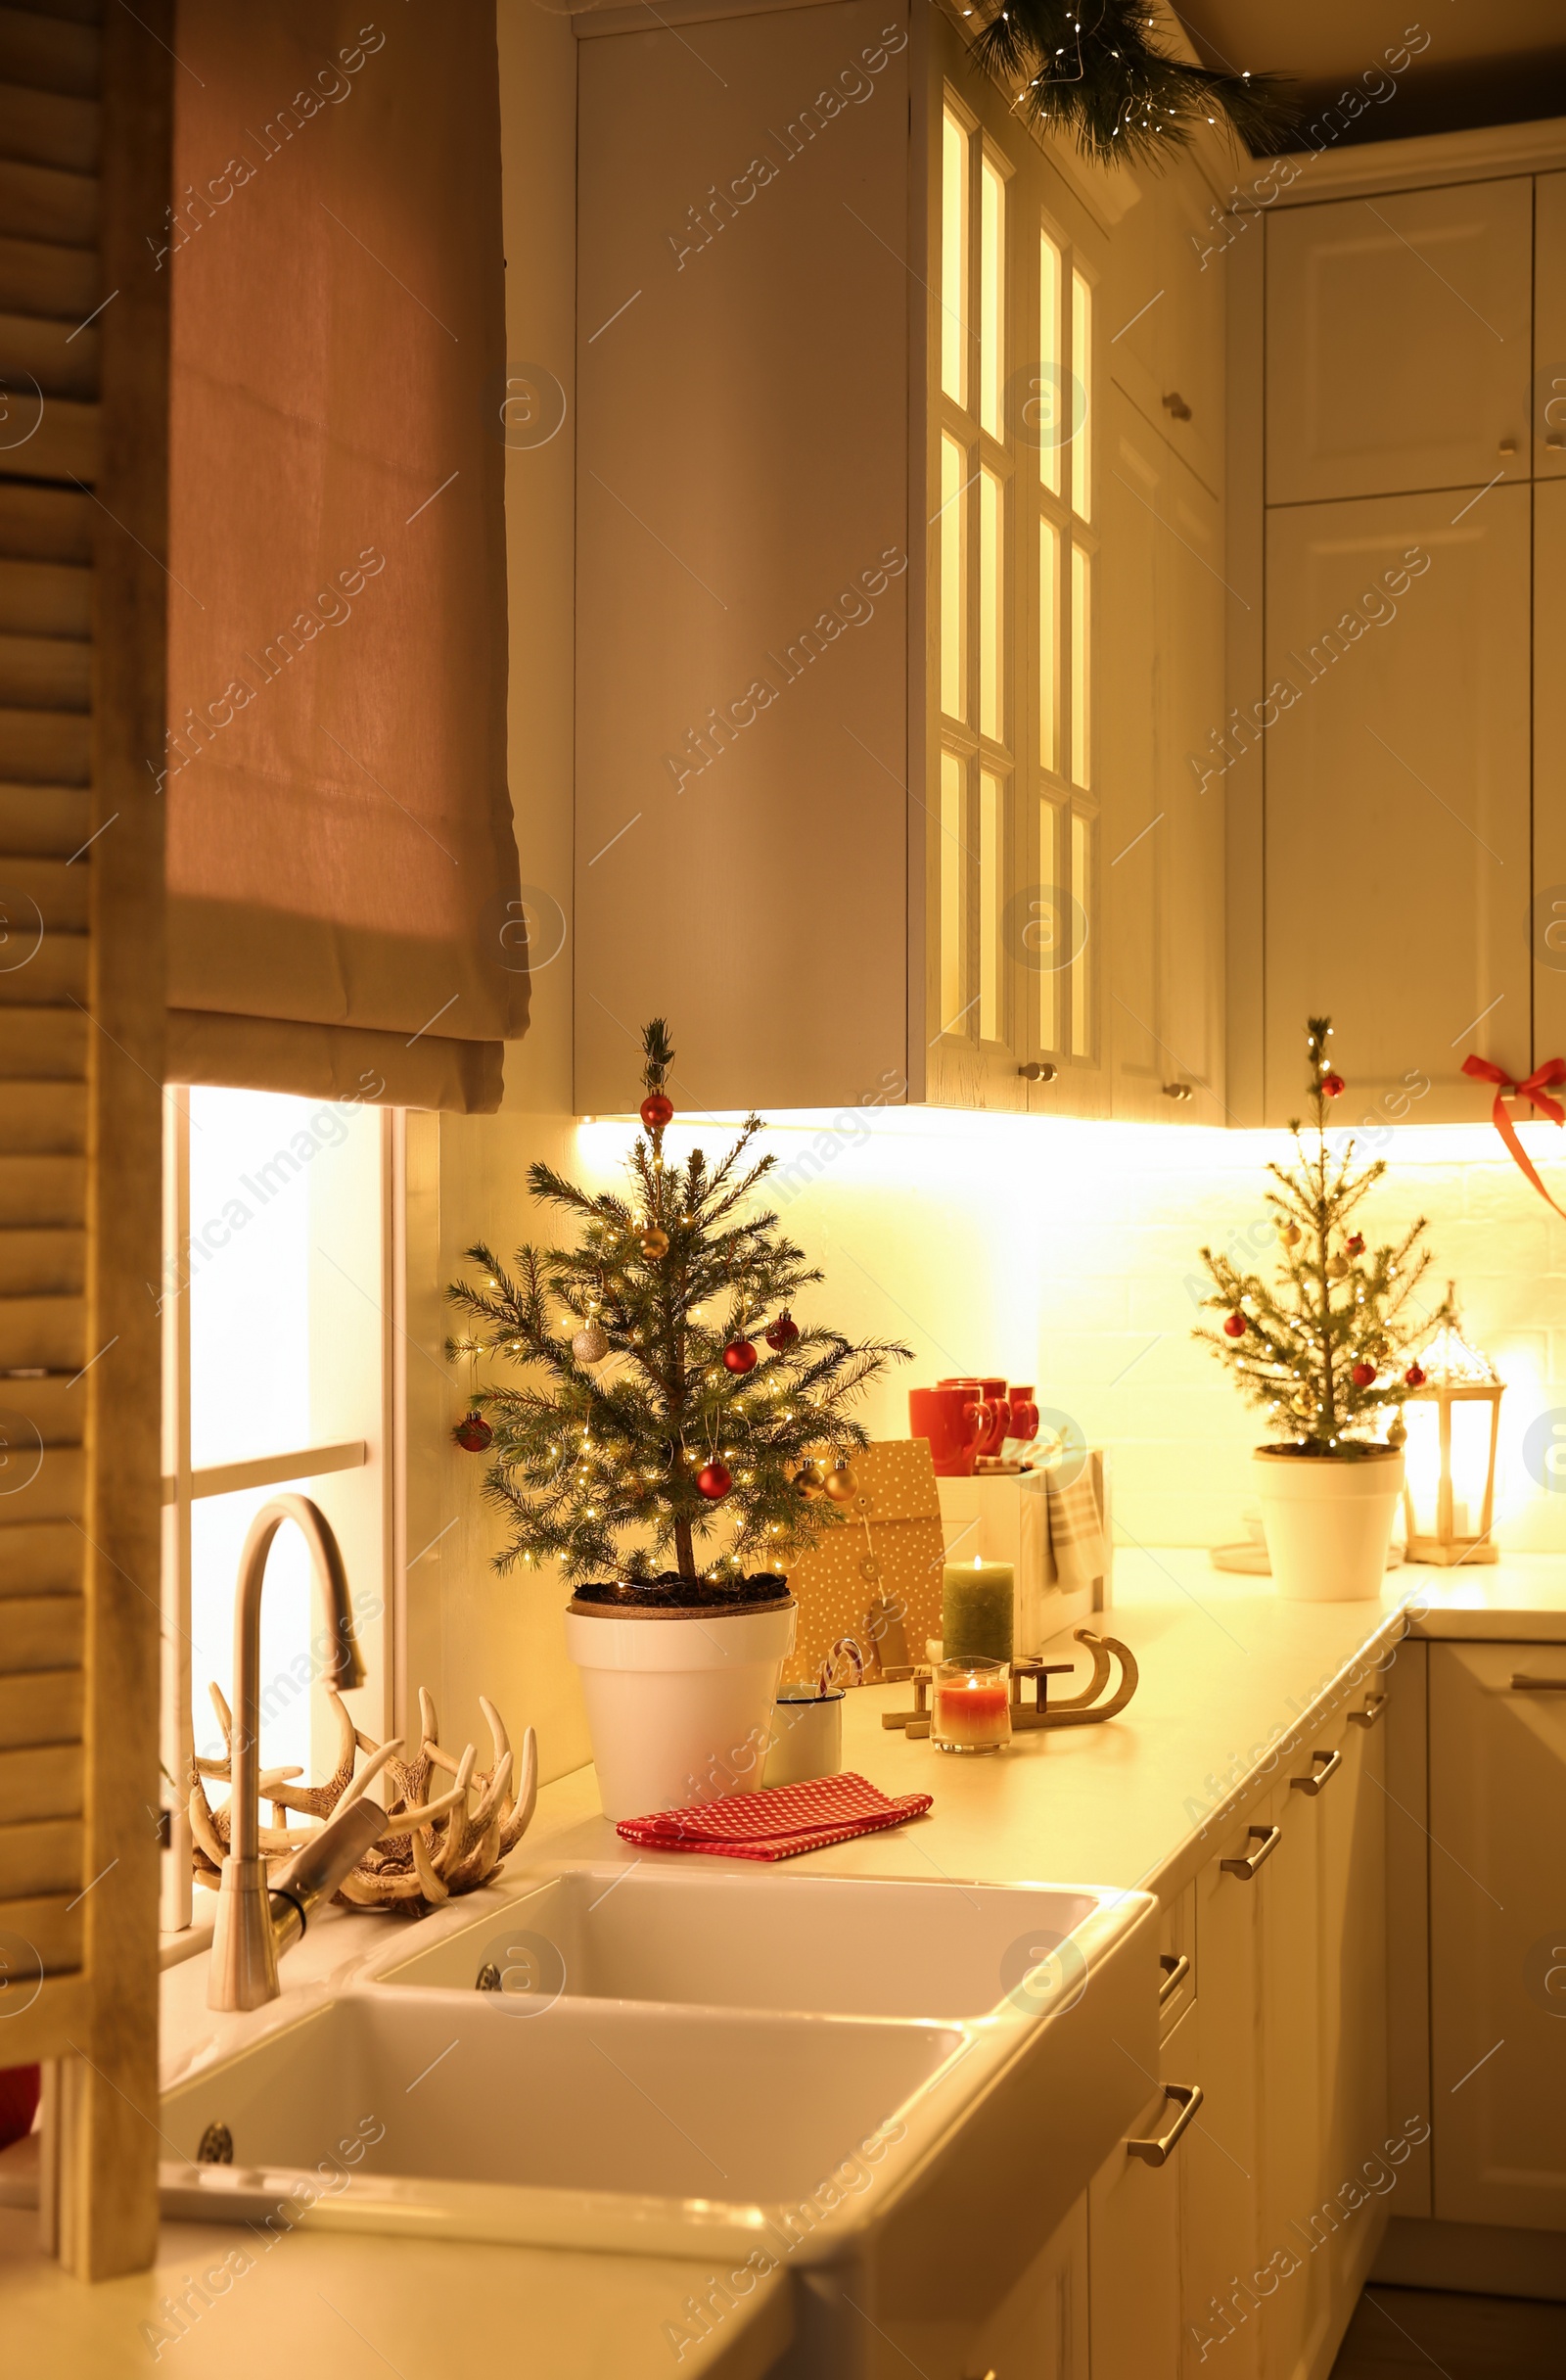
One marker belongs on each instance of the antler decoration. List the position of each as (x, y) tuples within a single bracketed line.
[(435, 1846)]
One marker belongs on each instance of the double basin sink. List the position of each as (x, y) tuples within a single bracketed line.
[(897, 2086)]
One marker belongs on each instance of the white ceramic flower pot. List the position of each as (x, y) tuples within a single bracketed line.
[(679, 1703), (1327, 1519)]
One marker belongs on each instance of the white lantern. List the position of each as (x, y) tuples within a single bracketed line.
[(1454, 1426)]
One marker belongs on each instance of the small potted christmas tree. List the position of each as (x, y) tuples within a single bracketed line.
[(1322, 1355), (654, 1425)]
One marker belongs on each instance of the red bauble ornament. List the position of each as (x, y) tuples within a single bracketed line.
[(657, 1112), (1334, 1086), (714, 1481), (1415, 1376), (783, 1334), (1234, 1327), (739, 1356), (1362, 1375), (1356, 1245), (474, 1433)]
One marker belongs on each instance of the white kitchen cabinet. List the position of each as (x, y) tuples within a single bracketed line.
[(1041, 2331), (1549, 326), (1135, 2228), (1498, 1932), (1352, 1987), (1289, 2022), (844, 659), (1165, 338), (1397, 800), (1222, 2236), (1293, 2274), (1399, 342), (1162, 818)]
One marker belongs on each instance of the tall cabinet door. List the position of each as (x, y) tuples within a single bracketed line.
[(1550, 327), (1397, 756), (1498, 1932), (1223, 2151), (1397, 342), (1293, 2088), (1163, 826), (1351, 1978), (1548, 939)]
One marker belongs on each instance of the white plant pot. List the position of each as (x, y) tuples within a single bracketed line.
[(1327, 1519), (679, 1703)]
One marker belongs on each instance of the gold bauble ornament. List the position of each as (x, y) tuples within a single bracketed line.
[(810, 1483), (1290, 1235), (840, 1484), (654, 1243), (1337, 1266)]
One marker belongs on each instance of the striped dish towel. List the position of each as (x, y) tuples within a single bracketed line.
[(1077, 1531), (777, 1823)]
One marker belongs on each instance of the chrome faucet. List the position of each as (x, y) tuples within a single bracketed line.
[(259, 1918)]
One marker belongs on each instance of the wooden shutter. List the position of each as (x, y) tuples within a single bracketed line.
[(84, 147)]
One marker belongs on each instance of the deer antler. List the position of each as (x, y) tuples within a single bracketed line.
[(432, 1848)]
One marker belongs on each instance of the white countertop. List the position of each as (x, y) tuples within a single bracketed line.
[(1230, 1674)]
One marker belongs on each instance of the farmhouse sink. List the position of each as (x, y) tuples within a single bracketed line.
[(829, 1945), (898, 2089), (589, 2125)]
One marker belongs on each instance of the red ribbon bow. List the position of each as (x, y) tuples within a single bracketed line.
[(1536, 1088)]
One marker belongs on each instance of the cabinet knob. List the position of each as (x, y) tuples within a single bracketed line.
[(1037, 1073), (1178, 1091), (1508, 445), (1176, 406)]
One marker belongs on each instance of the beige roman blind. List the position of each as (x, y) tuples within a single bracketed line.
[(344, 916)]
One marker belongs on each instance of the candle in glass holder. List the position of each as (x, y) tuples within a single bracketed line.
[(972, 1707), (976, 1606)]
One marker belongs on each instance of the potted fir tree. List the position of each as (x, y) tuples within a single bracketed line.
[(653, 1425), (1320, 1354)]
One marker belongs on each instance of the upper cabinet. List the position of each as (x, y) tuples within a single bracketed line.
[(1397, 342), (855, 642), (1398, 698)]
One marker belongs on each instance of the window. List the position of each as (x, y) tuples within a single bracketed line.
[(1014, 543), (275, 1303)]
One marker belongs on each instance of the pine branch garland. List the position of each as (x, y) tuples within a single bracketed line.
[(595, 1463), (1298, 1352), (1089, 68)]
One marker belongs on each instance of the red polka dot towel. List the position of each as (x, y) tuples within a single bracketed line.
[(779, 1822)]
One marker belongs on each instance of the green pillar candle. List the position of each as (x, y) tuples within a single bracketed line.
[(976, 1611)]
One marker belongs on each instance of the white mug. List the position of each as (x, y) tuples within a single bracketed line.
[(807, 1738)]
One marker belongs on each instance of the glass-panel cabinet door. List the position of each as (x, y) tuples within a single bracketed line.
[(1014, 1004)]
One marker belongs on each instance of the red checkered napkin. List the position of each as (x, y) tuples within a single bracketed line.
[(778, 1823)]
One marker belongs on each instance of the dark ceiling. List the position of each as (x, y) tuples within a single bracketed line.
[(1486, 62)]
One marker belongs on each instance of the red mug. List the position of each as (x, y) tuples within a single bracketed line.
[(994, 1394), (956, 1424), (1024, 1419)]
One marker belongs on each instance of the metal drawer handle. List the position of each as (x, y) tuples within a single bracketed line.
[(1522, 1683), (1329, 1764), (1175, 1971), (1268, 1836), (1187, 2097), (1375, 1704)]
